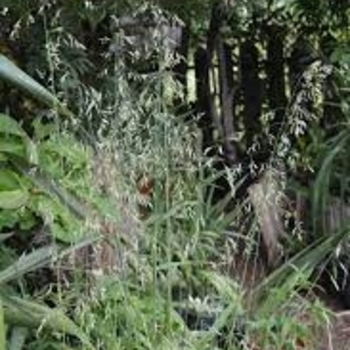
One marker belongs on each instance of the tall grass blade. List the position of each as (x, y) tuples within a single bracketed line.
[(27, 263), (304, 262), (5, 236), (29, 314), (321, 187), (18, 338), (2, 328)]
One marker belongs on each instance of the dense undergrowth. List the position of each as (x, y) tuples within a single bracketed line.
[(110, 237), (137, 254)]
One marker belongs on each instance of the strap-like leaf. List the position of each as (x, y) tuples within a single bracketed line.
[(21, 312), (2, 328), (18, 338), (37, 259), (14, 75)]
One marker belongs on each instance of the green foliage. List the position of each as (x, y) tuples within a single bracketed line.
[(19, 205), (25, 197), (49, 175), (29, 314), (15, 142), (20, 200), (14, 189), (127, 318), (33, 315)]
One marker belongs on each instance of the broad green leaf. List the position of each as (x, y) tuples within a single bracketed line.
[(64, 226), (54, 189), (9, 218), (10, 126), (14, 75), (13, 199), (13, 146), (20, 144), (8, 180), (2, 328)]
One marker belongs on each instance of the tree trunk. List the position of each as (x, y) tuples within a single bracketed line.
[(181, 68), (276, 89), (226, 100), (216, 21), (204, 99), (251, 89)]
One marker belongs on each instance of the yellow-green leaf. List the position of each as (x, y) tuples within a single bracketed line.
[(13, 199), (9, 180), (14, 140), (13, 146), (10, 126)]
